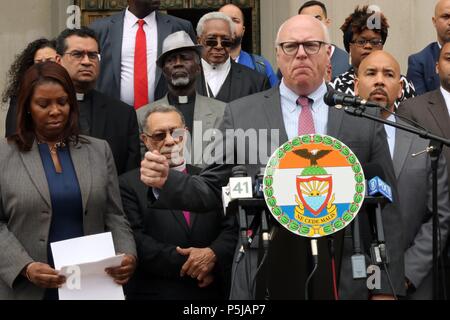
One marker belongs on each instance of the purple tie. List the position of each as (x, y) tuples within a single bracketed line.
[(305, 120), (187, 214)]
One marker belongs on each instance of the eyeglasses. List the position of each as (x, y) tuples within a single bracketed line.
[(291, 48), (93, 56), (226, 43), (373, 42), (177, 135)]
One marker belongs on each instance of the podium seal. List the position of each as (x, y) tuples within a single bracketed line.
[(314, 185)]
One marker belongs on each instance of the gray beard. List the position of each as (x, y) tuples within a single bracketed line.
[(180, 82)]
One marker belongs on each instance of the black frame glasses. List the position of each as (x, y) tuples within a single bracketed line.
[(176, 133), (290, 48), (79, 55), (376, 43)]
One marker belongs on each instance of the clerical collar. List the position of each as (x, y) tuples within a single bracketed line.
[(181, 99), (80, 96)]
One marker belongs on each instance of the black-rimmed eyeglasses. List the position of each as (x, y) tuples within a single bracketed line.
[(177, 135), (290, 48), (79, 55), (376, 43)]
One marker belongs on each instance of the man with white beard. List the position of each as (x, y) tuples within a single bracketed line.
[(180, 63)]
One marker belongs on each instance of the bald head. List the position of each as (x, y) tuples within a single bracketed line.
[(441, 21), (232, 9), (293, 24), (378, 79)]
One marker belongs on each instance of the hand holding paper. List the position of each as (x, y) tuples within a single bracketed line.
[(122, 274)]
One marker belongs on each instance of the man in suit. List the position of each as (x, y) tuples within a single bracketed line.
[(277, 109), (251, 60), (222, 78), (131, 41), (180, 62), (101, 116), (182, 255), (431, 110), (422, 65), (378, 80), (339, 58)]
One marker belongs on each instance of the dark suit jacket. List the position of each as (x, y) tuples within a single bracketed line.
[(110, 31), (430, 111), (159, 231), (26, 209), (241, 82), (339, 62), (414, 177), (422, 69), (287, 255)]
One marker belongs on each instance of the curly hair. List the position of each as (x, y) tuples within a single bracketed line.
[(38, 74), (22, 62), (358, 22)]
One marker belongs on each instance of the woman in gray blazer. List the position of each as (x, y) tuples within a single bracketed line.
[(54, 185)]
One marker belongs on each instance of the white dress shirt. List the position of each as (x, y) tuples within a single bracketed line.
[(446, 96), (130, 28), (215, 76), (390, 132), (291, 111)]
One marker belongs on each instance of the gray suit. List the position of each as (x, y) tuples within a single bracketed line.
[(263, 111), (110, 32), (25, 211), (208, 111), (414, 178)]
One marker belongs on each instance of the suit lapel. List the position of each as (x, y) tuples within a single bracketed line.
[(402, 147), (164, 29), (33, 164), (79, 155), (274, 115), (203, 113), (439, 111), (99, 114), (116, 32), (335, 118)]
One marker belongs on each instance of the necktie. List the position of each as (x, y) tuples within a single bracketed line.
[(305, 120), (187, 214), (140, 68)]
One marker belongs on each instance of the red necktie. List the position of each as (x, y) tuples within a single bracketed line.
[(187, 214), (140, 68), (305, 120)]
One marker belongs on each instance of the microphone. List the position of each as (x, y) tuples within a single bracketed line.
[(333, 98)]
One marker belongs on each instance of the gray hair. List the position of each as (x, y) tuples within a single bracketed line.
[(326, 33), (161, 108), (215, 16)]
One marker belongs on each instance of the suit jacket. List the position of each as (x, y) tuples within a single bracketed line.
[(430, 111), (263, 111), (339, 62), (159, 231), (112, 120), (109, 31), (208, 111), (26, 212), (422, 69), (414, 177), (241, 82)]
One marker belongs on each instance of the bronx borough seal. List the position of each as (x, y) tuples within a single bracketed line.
[(314, 185)]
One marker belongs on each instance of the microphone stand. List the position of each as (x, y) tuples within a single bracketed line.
[(435, 150)]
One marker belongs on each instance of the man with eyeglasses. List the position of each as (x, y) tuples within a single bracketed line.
[(293, 108), (222, 78), (362, 37), (180, 62), (182, 255), (100, 116)]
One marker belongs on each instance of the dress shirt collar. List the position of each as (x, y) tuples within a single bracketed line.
[(446, 96), (131, 20), (217, 68), (291, 96)]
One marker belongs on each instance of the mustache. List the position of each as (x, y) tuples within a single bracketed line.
[(379, 91)]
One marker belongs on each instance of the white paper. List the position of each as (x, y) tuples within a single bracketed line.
[(83, 260)]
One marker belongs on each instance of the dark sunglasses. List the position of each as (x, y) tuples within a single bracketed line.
[(214, 43), (177, 135)]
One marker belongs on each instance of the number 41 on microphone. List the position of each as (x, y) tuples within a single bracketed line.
[(241, 188)]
